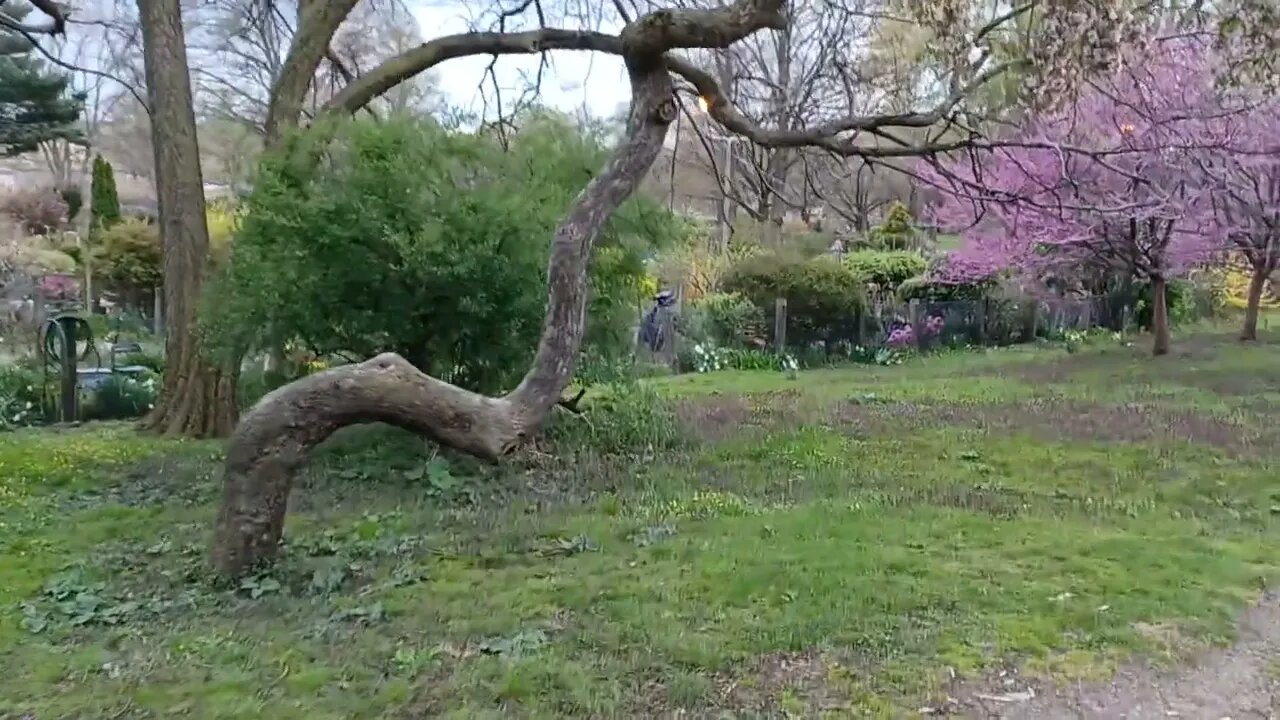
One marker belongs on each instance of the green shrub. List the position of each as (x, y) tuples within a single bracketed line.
[(74, 199), (128, 257), (887, 269), (1180, 299), (922, 287), (897, 232), (727, 319), (824, 297), (362, 237), (151, 361)]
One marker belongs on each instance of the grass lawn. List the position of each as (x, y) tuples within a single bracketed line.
[(735, 544)]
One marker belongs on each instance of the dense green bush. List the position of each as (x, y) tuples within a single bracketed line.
[(921, 287), (824, 296), (151, 361), (722, 318), (1180, 299), (887, 269), (74, 200), (128, 257), (362, 237)]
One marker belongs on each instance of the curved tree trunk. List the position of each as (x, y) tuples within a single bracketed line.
[(1252, 304), (275, 436), (1159, 315), (198, 398)]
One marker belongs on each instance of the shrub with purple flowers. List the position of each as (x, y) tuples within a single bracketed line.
[(901, 337)]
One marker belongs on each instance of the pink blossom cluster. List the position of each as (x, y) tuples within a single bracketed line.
[(1149, 170), (905, 335), (59, 287), (901, 337)]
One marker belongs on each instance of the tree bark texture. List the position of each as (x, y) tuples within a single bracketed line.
[(1252, 304), (274, 438), (198, 398), (1159, 315)]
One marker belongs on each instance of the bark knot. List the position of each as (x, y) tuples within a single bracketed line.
[(665, 113)]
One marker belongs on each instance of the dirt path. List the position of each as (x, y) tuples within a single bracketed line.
[(1241, 682)]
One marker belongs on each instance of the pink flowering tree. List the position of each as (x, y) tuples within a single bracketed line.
[(1100, 182), (1239, 182)]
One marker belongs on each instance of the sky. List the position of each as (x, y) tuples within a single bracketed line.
[(572, 80)]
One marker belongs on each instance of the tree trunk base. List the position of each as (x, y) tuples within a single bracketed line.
[(1253, 302), (1159, 317), (200, 404)]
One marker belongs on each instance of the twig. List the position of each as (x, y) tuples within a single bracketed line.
[(572, 403)]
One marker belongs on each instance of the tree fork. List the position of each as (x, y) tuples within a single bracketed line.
[(275, 437)]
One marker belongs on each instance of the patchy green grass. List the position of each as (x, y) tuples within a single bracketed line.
[(738, 542)]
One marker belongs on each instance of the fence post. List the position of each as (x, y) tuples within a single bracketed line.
[(780, 325), (157, 307)]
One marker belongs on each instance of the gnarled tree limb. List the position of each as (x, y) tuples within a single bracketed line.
[(274, 438), (361, 91)]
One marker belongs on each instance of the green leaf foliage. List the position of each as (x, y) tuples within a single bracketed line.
[(35, 105), (824, 296), (886, 268), (362, 237), (130, 257), (896, 232), (923, 287), (104, 203), (722, 318)]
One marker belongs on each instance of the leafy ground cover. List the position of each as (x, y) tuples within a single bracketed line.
[(851, 542)]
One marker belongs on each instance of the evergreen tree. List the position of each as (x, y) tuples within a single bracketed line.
[(896, 232), (35, 105), (104, 204)]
